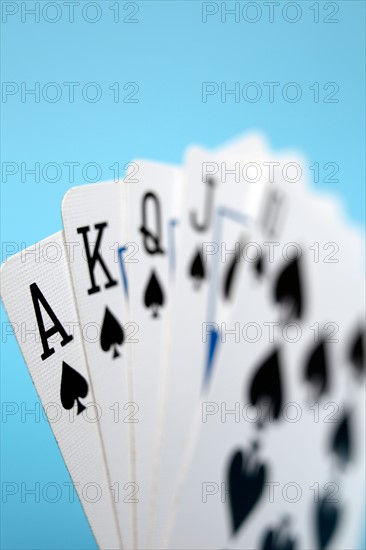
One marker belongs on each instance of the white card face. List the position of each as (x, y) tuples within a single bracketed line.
[(234, 230), (292, 479), (209, 190), (37, 293), (244, 178), (152, 203), (96, 228)]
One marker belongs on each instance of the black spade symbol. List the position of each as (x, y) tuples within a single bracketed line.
[(112, 333), (73, 386), (230, 275), (326, 520), (316, 370), (259, 267), (246, 478), (278, 539), (267, 385), (288, 290), (154, 297), (197, 269), (341, 441), (357, 352)]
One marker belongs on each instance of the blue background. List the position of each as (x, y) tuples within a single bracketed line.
[(169, 52)]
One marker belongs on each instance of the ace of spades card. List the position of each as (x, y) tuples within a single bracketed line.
[(204, 195), (95, 226), (278, 462), (38, 296), (152, 212)]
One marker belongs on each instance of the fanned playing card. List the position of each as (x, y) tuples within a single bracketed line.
[(152, 204), (37, 293), (95, 223), (216, 220)]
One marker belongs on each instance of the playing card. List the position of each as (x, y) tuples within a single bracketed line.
[(37, 294), (214, 192), (243, 179), (275, 467), (95, 228), (152, 204)]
